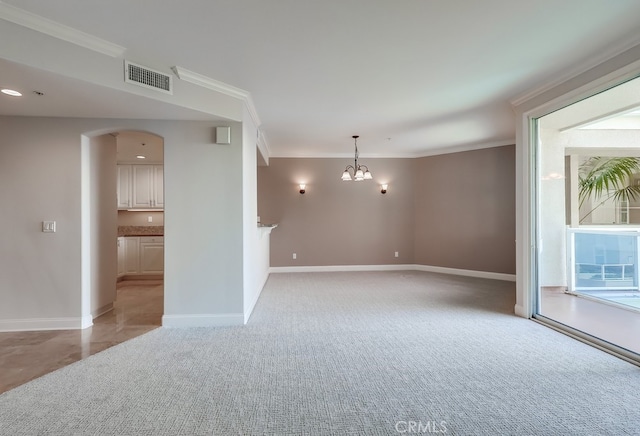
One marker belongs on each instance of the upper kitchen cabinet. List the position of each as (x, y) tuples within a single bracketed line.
[(158, 186), (124, 186), (140, 187)]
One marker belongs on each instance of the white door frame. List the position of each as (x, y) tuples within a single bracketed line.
[(527, 112)]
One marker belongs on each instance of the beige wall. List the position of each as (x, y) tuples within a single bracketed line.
[(465, 210), (133, 218), (454, 210), (336, 222), (103, 217)]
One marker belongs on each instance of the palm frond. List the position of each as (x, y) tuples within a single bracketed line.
[(627, 193), (600, 175)]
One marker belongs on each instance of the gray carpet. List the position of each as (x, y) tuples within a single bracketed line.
[(343, 354)]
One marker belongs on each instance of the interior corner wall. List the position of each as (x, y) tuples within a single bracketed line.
[(103, 223), (336, 222), (254, 275), (465, 209)]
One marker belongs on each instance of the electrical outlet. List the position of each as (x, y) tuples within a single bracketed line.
[(295, 256), (49, 226), (396, 254), (149, 219)]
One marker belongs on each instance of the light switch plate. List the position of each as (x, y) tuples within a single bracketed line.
[(49, 226)]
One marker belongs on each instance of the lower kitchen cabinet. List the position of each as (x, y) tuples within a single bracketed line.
[(131, 255), (143, 255), (121, 256), (151, 255)]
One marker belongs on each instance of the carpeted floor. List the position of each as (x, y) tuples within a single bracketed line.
[(372, 353)]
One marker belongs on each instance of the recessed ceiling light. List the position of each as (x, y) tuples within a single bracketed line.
[(11, 92), (141, 156)]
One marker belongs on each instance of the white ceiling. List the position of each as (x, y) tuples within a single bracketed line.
[(130, 145), (410, 77)]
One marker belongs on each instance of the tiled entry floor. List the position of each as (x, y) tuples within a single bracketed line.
[(25, 356), (612, 323)]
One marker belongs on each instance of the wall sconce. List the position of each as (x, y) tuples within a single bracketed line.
[(302, 188), (383, 188)]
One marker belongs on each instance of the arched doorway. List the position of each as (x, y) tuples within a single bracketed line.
[(122, 229)]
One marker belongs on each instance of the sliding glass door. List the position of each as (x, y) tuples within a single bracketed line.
[(588, 218)]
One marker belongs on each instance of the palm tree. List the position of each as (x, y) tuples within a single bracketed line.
[(607, 176)]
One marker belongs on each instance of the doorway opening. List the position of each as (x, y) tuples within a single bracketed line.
[(123, 231)]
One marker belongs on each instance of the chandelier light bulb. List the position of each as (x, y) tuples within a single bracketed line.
[(360, 172)]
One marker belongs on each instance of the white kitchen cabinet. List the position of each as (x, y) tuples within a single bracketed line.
[(142, 178), (131, 255), (158, 186), (121, 256), (124, 186), (151, 255), (142, 255), (140, 187)]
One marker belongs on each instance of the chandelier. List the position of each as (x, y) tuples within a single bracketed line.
[(360, 172)]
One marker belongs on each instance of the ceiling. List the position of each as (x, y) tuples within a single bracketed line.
[(130, 145), (411, 78)]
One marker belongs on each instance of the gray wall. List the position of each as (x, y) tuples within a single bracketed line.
[(465, 210), (41, 179), (337, 222), (454, 210)]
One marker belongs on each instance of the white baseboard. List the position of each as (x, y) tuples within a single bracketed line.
[(204, 320), (101, 311), (518, 309), (35, 324), (466, 272), (406, 267), (340, 268), (86, 321), (249, 309)]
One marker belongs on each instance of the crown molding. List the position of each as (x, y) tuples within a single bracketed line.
[(59, 31), (413, 155), (342, 155), (592, 62), (263, 146), (209, 83), (226, 89), (466, 147)]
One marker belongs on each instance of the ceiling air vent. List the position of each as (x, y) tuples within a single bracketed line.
[(143, 76)]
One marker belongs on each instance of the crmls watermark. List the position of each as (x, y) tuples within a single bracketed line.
[(421, 427)]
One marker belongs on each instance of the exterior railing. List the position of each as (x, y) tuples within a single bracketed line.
[(603, 259)]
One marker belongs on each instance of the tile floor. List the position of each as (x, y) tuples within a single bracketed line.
[(25, 356), (617, 325)]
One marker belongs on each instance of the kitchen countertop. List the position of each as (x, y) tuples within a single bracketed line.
[(267, 225), (140, 230)]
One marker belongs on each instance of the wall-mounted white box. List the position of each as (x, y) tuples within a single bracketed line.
[(223, 135)]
